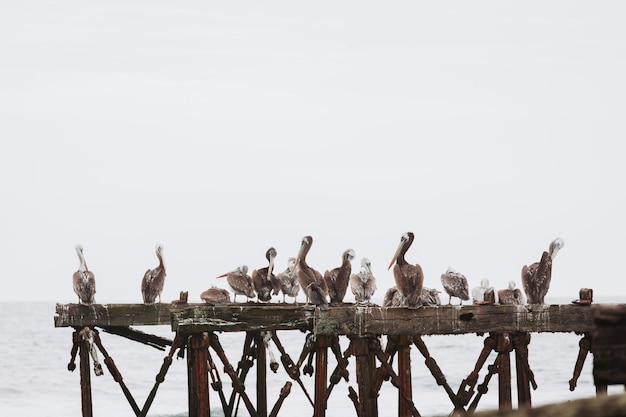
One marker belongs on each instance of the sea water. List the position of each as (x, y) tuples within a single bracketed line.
[(34, 379)]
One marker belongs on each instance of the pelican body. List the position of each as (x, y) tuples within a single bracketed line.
[(83, 280), (511, 295), (430, 297), (316, 294), (215, 295), (455, 285), (240, 282), (306, 274), (289, 284), (393, 298), (409, 278), (478, 293), (536, 277), (363, 284), (337, 279), (153, 279), (264, 281)]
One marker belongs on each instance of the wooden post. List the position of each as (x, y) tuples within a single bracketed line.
[(85, 376), (365, 375), (521, 341), (503, 348), (321, 369), (405, 390), (198, 375), (261, 374)]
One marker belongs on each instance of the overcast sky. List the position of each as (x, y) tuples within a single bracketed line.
[(220, 129)]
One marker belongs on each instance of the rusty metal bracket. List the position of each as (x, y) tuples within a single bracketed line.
[(291, 368), (584, 346)]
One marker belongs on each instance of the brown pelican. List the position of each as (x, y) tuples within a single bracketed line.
[(306, 274), (430, 297), (409, 278), (363, 284), (511, 295), (337, 279), (536, 277), (478, 293), (316, 294), (84, 281), (393, 298), (153, 279), (264, 281), (240, 282), (289, 284), (215, 295), (455, 284)]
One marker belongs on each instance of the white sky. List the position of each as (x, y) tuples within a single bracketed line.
[(220, 129)]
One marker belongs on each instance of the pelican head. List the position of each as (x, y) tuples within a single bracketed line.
[(349, 254), (158, 248), (241, 270), (403, 241), (484, 283), (291, 262), (512, 285), (555, 246), (270, 255), (306, 243), (366, 265), (81, 258), (450, 270)]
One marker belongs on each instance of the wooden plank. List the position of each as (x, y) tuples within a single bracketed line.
[(609, 345), (343, 320)]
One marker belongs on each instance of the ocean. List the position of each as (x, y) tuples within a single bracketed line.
[(34, 380)]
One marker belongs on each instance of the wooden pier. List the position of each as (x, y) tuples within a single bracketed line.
[(196, 328)]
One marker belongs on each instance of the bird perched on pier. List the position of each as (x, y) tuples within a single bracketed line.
[(536, 277), (455, 285), (363, 284), (289, 284), (511, 295), (84, 280), (316, 294), (409, 278), (153, 279), (430, 297), (393, 298), (337, 279), (306, 274), (478, 293), (215, 295), (240, 282), (264, 281)]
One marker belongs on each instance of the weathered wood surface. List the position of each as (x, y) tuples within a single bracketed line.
[(603, 406), (343, 320), (608, 344)]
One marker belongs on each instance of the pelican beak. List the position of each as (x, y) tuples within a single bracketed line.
[(297, 262), (395, 255), (270, 268), (226, 273), (223, 275)]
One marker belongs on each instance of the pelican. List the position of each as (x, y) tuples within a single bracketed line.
[(536, 277), (511, 295), (337, 279), (363, 284), (84, 280), (240, 282), (455, 284), (306, 274), (430, 297), (393, 298), (264, 281), (153, 279), (215, 295), (409, 278), (316, 294), (478, 293), (289, 284)]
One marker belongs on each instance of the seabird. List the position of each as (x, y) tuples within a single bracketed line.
[(316, 294), (306, 274), (430, 297), (511, 295), (264, 281), (455, 284), (289, 284), (478, 293), (337, 279), (153, 279), (393, 298), (240, 282), (536, 277), (409, 278), (363, 284), (215, 295), (84, 280)]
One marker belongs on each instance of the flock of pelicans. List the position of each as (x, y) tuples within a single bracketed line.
[(330, 288)]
